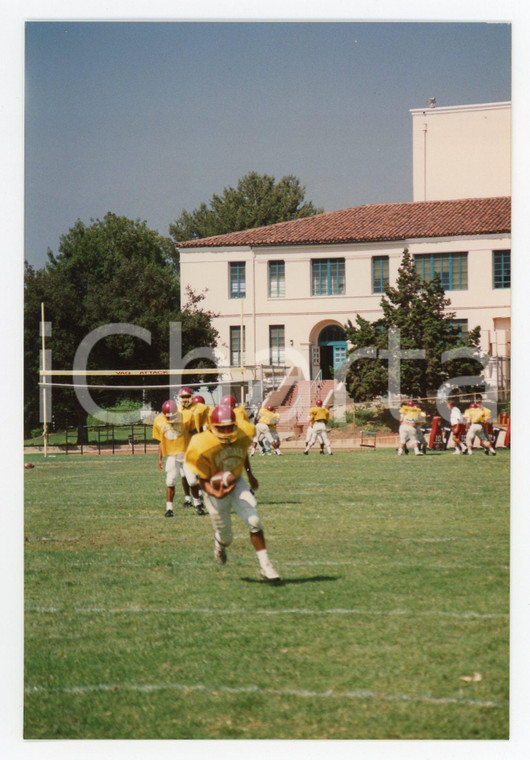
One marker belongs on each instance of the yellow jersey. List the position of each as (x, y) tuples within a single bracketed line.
[(174, 437), (318, 414), (268, 418), (412, 415), (206, 455), (201, 415), (480, 414), (239, 411)]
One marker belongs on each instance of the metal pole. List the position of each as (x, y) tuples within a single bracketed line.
[(44, 391)]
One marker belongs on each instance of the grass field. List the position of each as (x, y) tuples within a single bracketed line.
[(395, 588)]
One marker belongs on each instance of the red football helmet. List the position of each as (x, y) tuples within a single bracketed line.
[(318, 403), (223, 424), (185, 396), (229, 401), (269, 408), (198, 399), (170, 410)]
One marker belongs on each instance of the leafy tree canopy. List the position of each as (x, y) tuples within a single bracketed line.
[(258, 200), (112, 271), (418, 309)]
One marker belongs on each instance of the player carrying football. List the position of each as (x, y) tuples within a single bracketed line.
[(218, 457)]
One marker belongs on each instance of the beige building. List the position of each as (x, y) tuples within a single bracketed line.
[(461, 151), (283, 292)]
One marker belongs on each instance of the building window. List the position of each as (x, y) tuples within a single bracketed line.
[(237, 279), (237, 359), (327, 277), (452, 268), (276, 279), (501, 269), (277, 344), (461, 326), (379, 273)]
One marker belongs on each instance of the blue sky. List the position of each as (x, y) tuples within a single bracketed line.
[(148, 119)]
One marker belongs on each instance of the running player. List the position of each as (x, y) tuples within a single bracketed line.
[(223, 448)]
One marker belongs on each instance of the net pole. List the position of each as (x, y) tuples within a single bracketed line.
[(44, 391)]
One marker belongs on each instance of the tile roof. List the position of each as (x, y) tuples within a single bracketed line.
[(377, 222)]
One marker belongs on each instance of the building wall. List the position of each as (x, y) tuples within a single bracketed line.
[(461, 152), (304, 315)]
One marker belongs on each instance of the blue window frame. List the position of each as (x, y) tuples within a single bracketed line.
[(379, 273), (502, 269), (238, 287), (327, 277), (277, 344), (452, 268), (237, 359), (276, 279), (461, 326)]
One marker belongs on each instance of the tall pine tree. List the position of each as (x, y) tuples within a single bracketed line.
[(419, 311)]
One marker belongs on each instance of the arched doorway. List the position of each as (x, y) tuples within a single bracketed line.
[(333, 350)]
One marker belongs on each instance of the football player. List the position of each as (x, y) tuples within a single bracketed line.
[(458, 427), (477, 416), (267, 419), (239, 411), (201, 413), (171, 428), (318, 419), (223, 448), (411, 419)]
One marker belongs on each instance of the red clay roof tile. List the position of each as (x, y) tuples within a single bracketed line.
[(384, 221)]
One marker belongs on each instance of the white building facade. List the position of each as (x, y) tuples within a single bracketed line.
[(283, 293)]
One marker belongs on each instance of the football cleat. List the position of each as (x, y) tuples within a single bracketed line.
[(219, 552), (186, 503), (269, 573), (199, 509), (493, 452), (169, 513)]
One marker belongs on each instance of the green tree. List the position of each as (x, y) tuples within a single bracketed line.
[(419, 310), (258, 200), (112, 271)]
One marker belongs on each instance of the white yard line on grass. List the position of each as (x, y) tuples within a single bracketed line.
[(300, 693), (245, 611)]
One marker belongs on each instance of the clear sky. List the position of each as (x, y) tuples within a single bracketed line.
[(147, 119)]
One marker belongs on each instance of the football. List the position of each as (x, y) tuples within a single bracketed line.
[(222, 479)]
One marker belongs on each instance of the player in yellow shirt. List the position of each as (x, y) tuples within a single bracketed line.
[(223, 448), (201, 413), (239, 410), (171, 429), (477, 416), (411, 419), (267, 419), (318, 419)]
